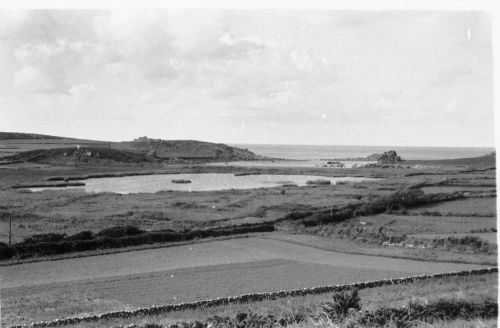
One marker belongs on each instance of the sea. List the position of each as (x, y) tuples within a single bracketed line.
[(316, 152)]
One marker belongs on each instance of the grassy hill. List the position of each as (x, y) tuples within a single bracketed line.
[(19, 135), (187, 149), (486, 161), (91, 155), (51, 149)]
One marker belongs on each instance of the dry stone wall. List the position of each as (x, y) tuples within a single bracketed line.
[(253, 297)]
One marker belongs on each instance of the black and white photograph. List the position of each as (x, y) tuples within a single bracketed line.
[(231, 165)]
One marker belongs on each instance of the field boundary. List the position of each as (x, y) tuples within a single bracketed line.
[(253, 297), (402, 257), (101, 252)]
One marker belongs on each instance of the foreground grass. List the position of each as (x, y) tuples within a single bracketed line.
[(471, 288), (460, 323), (490, 323)]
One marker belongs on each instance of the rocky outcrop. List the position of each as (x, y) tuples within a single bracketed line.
[(388, 157)]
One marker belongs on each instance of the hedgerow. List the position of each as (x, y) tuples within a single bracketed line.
[(398, 201), (116, 237)]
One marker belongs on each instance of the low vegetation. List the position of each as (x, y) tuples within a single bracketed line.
[(344, 310), (470, 244), (115, 237), (396, 201)]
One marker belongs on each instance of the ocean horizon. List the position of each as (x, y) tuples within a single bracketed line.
[(315, 152)]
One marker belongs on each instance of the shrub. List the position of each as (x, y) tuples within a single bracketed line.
[(119, 231), (328, 216), (83, 235), (151, 325), (6, 252), (117, 237), (295, 314), (44, 238), (442, 309), (469, 242), (339, 307), (320, 182), (244, 319)]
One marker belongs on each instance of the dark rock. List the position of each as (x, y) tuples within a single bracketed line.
[(180, 181), (388, 157)]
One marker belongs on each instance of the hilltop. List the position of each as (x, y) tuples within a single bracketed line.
[(187, 149), (480, 162), (26, 147), (19, 135)]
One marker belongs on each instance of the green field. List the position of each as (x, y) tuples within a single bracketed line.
[(479, 206)]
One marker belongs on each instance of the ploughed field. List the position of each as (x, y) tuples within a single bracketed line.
[(54, 289)]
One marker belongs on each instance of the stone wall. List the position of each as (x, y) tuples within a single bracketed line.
[(254, 297)]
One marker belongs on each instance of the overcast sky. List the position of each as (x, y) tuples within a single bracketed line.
[(276, 77)]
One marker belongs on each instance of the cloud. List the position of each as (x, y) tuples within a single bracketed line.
[(47, 25), (32, 79), (82, 92), (215, 68), (452, 75), (47, 62)]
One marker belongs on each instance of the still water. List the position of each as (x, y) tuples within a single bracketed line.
[(199, 182)]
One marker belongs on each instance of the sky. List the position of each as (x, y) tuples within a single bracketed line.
[(326, 77)]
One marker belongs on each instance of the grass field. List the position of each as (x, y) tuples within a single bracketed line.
[(470, 288), (409, 224), (480, 206), (356, 247), (475, 189), (190, 272)]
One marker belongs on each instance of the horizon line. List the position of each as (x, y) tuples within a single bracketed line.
[(259, 144)]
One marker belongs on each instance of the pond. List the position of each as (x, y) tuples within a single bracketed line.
[(198, 182), (316, 163)]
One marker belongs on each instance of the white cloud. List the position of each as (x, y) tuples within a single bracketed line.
[(32, 79), (282, 69), (82, 91)]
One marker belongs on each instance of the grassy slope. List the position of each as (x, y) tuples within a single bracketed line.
[(67, 155), (12, 146), (19, 135), (375, 249), (469, 288), (479, 162)]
